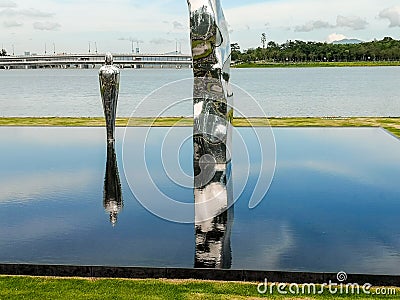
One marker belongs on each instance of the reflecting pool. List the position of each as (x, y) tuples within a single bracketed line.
[(333, 205)]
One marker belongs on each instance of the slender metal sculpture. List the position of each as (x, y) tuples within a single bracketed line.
[(213, 113), (212, 96), (112, 195), (109, 77)]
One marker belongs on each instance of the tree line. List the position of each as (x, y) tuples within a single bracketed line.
[(387, 49)]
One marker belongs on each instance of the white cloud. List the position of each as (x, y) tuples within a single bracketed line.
[(161, 41), (178, 25), (51, 26), (335, 37), (310, 26), (293, 14), (30, 12), (40, 184), (10, 24), (130, 39), (392, 14), (7, 3), (153, 19), (290, 12), (352, 22)]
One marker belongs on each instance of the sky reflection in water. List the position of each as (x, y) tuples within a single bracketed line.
[(334, 204)]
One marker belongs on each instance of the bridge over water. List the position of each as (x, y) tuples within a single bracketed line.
[(86, 61)]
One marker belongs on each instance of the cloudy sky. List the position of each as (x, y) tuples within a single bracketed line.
[(158, 25)]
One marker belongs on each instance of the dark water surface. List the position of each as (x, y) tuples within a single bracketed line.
[(334, 204)]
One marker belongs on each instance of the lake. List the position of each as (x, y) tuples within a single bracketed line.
[(279, 92), (333, 204)]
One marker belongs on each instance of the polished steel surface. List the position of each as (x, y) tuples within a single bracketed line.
[(212, 95), (109, 77)]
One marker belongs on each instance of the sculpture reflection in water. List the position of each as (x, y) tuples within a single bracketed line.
[(109, 78), (112, 196), (213, 113), (214, 219)]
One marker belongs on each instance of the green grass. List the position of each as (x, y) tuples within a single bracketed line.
[(92, 122), (318, 64), (394, 131), (390, 124), (21, 287)]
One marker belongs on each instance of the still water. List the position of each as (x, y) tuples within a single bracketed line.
[(333, 205), (280, 92)]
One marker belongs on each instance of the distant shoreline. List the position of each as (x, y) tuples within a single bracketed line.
[(391, 124), (268, 65), (317, 64)]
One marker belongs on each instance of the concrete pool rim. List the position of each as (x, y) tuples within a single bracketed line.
[(190, 273)]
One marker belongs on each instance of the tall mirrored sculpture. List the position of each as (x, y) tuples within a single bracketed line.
[(213, 114), (212, 95), (109, 77), (112, 195)]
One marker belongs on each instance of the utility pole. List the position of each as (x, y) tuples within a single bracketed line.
[(45, 48), (13, 49), (54, 48), (95, 45), (138, 47), (89, 47)]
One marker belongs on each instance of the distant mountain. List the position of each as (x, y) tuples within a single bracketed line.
[(347, 41)]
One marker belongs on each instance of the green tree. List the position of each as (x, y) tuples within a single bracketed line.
[(236, 55), (263, 39), (300, 51)]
